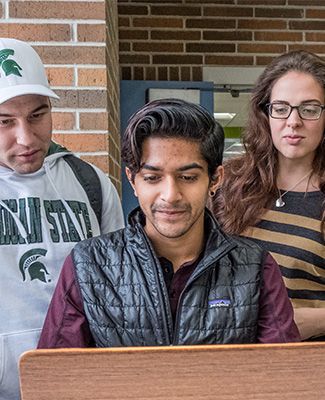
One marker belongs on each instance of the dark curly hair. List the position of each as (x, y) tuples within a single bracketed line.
[(173, 118)]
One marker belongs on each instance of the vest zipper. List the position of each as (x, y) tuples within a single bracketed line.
[(166, 311), (192, 278)]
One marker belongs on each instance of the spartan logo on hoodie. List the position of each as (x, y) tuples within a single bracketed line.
[(32, 268), (9, 67)]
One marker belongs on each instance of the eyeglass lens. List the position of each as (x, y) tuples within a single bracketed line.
[(305, 111)]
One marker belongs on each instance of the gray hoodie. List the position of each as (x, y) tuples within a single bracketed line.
[(42, 216)]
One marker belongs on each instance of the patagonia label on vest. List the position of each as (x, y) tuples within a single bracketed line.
[(218, 303)]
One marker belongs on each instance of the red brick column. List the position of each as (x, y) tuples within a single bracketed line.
[(75, 46)]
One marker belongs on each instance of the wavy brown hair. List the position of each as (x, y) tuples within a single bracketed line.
[(250, 179)]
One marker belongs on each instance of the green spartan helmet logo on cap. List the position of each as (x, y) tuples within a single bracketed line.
[(9, 67)]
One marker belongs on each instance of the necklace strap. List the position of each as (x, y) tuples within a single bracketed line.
[(279, 201), (296, 184)]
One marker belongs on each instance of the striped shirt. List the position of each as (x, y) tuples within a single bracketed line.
[(292, 235)]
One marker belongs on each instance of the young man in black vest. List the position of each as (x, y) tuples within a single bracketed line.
[(171, 276)]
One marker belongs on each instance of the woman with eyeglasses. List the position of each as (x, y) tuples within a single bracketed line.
[(274, 192)]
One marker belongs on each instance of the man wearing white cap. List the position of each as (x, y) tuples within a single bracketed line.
[(47, 203)]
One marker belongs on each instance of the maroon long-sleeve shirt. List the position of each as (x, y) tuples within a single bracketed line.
[(66, 324)]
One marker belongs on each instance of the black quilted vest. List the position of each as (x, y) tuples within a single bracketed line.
[(126, 301)]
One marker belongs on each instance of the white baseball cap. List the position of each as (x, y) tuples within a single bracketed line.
[(21, 71)]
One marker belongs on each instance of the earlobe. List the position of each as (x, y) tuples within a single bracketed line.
[(216, 180)]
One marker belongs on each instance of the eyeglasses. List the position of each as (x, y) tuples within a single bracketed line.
[(307, 111)]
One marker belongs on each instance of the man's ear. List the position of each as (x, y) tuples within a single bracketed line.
[(216, 179), (130, 179)]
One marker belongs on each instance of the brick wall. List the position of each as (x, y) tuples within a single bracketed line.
[(172, 40), (77, 41)]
